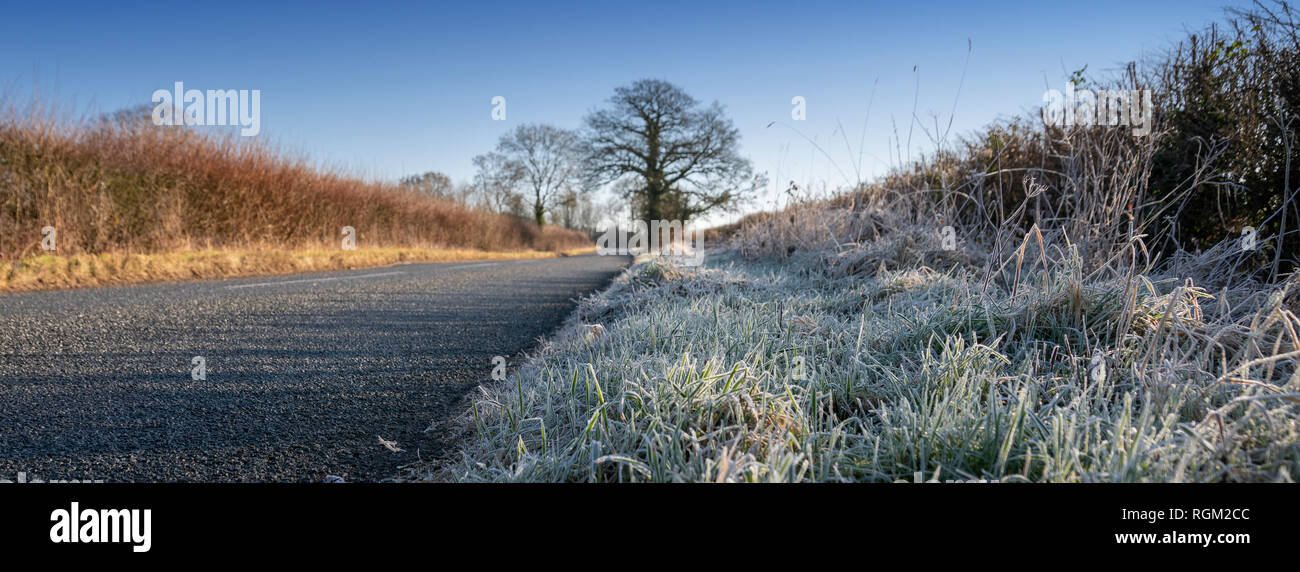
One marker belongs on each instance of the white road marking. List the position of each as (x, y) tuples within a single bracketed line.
[(314, 280)]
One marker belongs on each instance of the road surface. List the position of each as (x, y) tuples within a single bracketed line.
[(304, 373)]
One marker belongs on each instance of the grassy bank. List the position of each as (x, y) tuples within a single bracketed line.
[(750, 371), (55, 272), (845, 341)]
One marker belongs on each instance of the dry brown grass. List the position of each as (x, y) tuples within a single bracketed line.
[(127, 188), (51, 272)]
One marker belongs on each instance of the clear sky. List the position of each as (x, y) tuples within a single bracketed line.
[(386, 89)]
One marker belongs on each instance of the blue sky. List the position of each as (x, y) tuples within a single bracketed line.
[(385, 89)]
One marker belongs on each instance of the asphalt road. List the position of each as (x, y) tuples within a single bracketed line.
[(304, 372)]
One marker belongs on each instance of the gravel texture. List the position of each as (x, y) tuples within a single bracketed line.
[(304, 373)]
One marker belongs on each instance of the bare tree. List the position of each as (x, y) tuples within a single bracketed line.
[(682, 158), (540, 160), (432, 183), (497, 182), (567, 205)]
